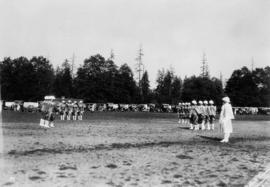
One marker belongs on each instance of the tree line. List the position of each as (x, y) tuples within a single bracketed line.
[(101, 80)]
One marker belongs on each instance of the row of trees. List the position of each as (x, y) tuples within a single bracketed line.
[(249, 88), (101, 80), (23, 79)]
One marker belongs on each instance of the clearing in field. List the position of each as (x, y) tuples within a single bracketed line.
[(129, 149)]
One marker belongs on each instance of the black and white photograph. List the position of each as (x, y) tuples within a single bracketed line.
[(135, 93)]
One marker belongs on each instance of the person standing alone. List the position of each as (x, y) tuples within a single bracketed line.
[(226, 116)]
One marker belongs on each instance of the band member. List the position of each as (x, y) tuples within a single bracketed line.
[(66, 110), (212, 114), (1, 106), (226, 116), (193, 116), (70, 110), (186, 113), (48, 111), (188, 108), (180, 113), (44, 121), (81, 110), (200, 111), (75, 110), (206, 115), (51, 114), (62, 110)]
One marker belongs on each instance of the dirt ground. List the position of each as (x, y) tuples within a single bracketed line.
[(129, 149)]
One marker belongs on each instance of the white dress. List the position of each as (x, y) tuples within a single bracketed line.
[(226, 116)]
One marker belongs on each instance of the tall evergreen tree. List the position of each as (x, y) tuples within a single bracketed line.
[(44, 77), (249, 88), (63, 84), (127, 89), (145, 88), (89, 82), (202, 88), (7, 79), (27, 80), (176, 90), (164, 89), (18, 79), (99, 80)]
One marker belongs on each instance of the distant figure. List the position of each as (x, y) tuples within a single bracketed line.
[(66, 110), (18, 108), (70, 110), (193, 116), (44, 121), (212, 113), (200, 111), (1, 104), (180, 113), (81, 110), (62, 110), (226, 116), (186, 113), (51, 114), (75, 111), (48, 111), (206, 115)]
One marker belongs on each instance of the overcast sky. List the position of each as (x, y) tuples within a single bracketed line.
[(173, 33)]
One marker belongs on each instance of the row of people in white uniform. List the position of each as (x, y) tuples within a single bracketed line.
[(198, 116), (71, 111), (66, 110), (202, 115)]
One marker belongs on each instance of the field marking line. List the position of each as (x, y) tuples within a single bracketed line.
[(260, 178)]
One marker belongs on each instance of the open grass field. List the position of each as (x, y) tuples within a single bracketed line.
[(129, 149)]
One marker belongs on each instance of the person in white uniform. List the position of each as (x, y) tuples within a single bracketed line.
[(200, 110), (1, 104), (193, 116), (179, 113), (81, 109), (212, 113), (206, 115), (226, 116)]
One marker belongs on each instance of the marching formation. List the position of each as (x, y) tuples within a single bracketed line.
[(67, 111), (71, 111), (199, 115)]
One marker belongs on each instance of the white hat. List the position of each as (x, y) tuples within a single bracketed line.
[(194, 102), (200, 102), (80, 101), (205, 102), (179, 103), (211, 102), (226, 99)]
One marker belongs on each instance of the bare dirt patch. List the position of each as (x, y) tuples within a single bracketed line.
[(130, 149)]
